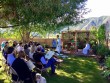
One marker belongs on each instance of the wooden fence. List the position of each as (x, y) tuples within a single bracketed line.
[(43, 41), (3, 39), (40, 40)]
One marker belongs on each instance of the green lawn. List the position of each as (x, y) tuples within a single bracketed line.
[(72, 70), (4, 78), (78, 70)]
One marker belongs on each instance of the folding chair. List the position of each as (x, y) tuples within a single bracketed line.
[(42, 69), (12, 71)]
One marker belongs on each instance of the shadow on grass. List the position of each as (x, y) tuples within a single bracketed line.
[(61, 79), (1, 81), (78, 70)]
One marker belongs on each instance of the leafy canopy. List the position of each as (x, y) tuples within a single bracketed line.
[(49, 12)]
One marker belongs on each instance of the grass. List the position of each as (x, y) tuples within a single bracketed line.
[(72, 70), (4, 77), (78, 70)]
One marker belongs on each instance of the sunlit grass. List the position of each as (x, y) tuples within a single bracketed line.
[(78, 70), (4, 77)]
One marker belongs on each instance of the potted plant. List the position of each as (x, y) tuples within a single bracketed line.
[(72, 49), (65, 46)]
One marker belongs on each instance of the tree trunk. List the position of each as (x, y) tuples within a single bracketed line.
[(26, 36), (48, 35)]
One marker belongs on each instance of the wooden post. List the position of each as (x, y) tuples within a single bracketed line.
[(62, 38), (76, 41), (87, 35), (107, 39), (107, 43)]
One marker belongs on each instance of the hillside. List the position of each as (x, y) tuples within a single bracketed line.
[(88, 23)]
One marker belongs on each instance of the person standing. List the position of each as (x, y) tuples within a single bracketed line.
[(5, 50), (2, 45), (54, 43), (58, 47)]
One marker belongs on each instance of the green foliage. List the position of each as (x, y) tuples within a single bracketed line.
[(94, 45), (98, 35), (49, 12), (94, 33), (72, 48), (93, 42), (108, 62), (11, 33), (102, 50), (101, 34), (41, 16), (40, 11), (106, 72), (97, 39), (45, 46)]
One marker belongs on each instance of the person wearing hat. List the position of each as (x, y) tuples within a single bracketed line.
[(40, 79)]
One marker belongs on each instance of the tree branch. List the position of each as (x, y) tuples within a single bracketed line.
[(9, 26)]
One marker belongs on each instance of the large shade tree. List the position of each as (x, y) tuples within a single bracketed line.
[(47, 13)]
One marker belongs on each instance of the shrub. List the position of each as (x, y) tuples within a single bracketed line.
[(45, 46), (106, 72), (72, 48), (102, 50), (108, 62), (95, 49)]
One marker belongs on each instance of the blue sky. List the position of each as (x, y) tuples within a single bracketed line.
[(98, 8)]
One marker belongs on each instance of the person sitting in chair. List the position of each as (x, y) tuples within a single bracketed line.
[(20, 66), (42, 61), (86, 49)]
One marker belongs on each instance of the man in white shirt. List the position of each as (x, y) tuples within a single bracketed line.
[(58, 48), (19, 47)]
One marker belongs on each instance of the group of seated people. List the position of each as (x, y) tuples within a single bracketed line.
[(24, 58)]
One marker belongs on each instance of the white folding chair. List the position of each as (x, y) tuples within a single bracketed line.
[(12, 71)]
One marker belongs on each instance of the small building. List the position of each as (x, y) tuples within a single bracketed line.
[(71, 40)]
